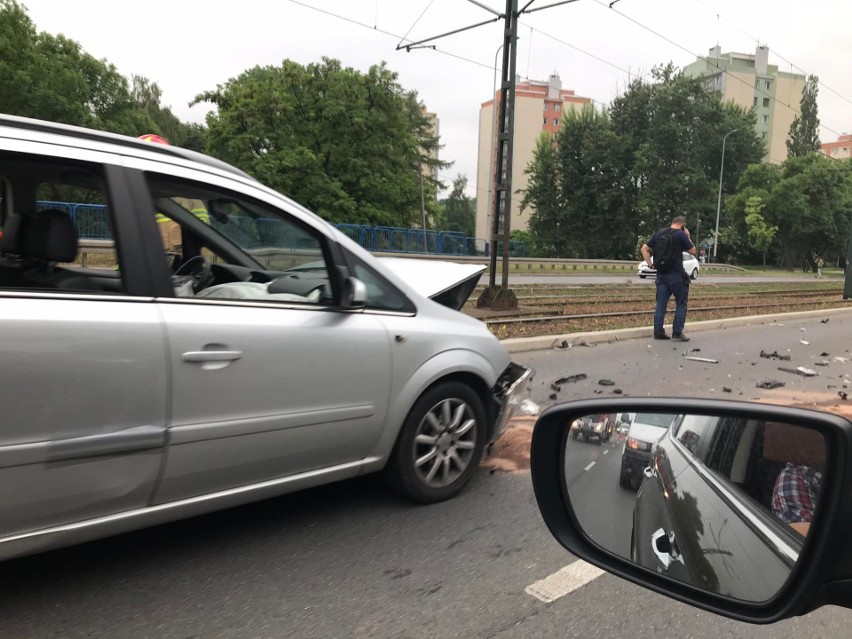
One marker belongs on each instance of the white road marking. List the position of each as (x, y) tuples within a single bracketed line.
[(564, 581), (589, 466)]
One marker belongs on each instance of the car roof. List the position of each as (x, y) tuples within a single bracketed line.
[(128, 144)]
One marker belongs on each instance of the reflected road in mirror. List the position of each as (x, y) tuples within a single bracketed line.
[(722, 503)]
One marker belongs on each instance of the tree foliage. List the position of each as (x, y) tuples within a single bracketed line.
[(804, 132), (807, 198), (458, 211), (760, 234), (349, 145), (609, 176)]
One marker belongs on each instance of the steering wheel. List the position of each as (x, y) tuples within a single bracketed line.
[(201, 271)]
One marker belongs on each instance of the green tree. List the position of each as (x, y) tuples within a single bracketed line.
[(543, 195), (349, 145), (459, 210), (759, 232), (804, 132), (148, 97)]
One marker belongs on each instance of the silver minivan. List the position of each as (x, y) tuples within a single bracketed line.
[(215, 343)]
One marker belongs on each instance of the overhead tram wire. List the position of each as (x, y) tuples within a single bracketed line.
[(774, 52), (692, 53), (411, 28)]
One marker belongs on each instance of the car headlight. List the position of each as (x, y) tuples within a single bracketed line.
[(635, 444), (598, 427)]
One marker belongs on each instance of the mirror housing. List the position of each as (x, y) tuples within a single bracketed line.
[(822, 576), (354, 295)]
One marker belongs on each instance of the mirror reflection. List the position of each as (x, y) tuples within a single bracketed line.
[(723, 503)]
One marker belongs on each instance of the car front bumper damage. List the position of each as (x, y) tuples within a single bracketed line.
[(508, 393)]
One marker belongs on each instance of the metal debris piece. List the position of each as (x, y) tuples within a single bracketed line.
[(823, 354), (553, 396), (569, 379), (606, 382), (703, 359), (770, 384), (807, 372), (804, 341), (725, 389), (842, 395), (824, 362), (824, 321), (617, 391), (774, 355)]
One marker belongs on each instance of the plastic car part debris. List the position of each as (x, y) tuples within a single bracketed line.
[(606, 382), (837, 358), (770, 384), (726, 389), (801, 370), (553, 396), (824, 321), (703, 359), (842, 395), (824, 362), (528, 407), (568, 380), (617, 391), (774, 355), (804, 341), (563, 345), (823, 354)]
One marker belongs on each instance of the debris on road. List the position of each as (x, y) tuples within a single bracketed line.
[(837, 358), (563, 345), (606, 382), (823, 362), (529, 407), (617, 391), (804, 341), (707, 360), (774, 355), (801, 370), (567, 380), (726, 389), (553, 396), (842, 395), (770, 384), (824, 321)]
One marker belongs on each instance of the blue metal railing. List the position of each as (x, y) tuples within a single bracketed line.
[(91, 222)]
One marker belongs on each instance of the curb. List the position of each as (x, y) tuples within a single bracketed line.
[(546, 342)]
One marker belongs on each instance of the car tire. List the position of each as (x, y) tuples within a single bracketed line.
[(694, 274), (624, 479), (642, 277), (446, 424)]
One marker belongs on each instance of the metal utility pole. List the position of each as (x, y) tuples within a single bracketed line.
[(499, 297)]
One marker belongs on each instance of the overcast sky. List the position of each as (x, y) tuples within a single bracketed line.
[(188, 46)]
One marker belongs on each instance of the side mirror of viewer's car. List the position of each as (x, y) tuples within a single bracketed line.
[(738, 508)]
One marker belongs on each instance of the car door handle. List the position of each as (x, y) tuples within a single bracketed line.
[(665, 548), (211, 356)]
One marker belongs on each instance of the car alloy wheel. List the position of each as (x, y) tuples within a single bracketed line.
[(445, 442), (440, 443), (694, 274)]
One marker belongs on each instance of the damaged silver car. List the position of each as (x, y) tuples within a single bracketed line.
[(220, 344)]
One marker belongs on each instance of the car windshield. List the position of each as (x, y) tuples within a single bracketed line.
[(653, 419)]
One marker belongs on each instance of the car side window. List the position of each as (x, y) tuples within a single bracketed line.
[(222, 245), (57, 227), (381, 294), (691, 430)]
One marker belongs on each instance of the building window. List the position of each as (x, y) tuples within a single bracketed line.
[(556, 107), (545, 106), (555, 121), (766, 102), (545, 119), (768, 84), (766, 119), (755, 100), (763, 135)]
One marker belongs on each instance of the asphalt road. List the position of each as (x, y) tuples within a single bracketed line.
[(354, 560)]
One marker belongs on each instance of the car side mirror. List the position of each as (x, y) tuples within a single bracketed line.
[(354, 293), (742, 509)]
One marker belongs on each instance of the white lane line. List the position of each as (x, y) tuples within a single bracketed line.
[(564, 581), (589, 466)]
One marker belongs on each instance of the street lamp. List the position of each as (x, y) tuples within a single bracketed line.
[(719, 201), (491, 170)]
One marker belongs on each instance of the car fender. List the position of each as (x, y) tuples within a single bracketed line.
[(440, 366)]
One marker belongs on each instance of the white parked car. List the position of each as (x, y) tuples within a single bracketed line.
[(690, 265), (233, 346)]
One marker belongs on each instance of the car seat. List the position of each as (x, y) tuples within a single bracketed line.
[(51, 238)]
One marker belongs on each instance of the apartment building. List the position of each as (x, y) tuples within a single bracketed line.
[(539, 107), (840, 150), (747, 79)]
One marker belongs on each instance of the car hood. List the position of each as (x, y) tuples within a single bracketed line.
[(447, 283), (646, 432)]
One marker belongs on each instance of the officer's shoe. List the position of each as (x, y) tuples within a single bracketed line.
[(679, 337)]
